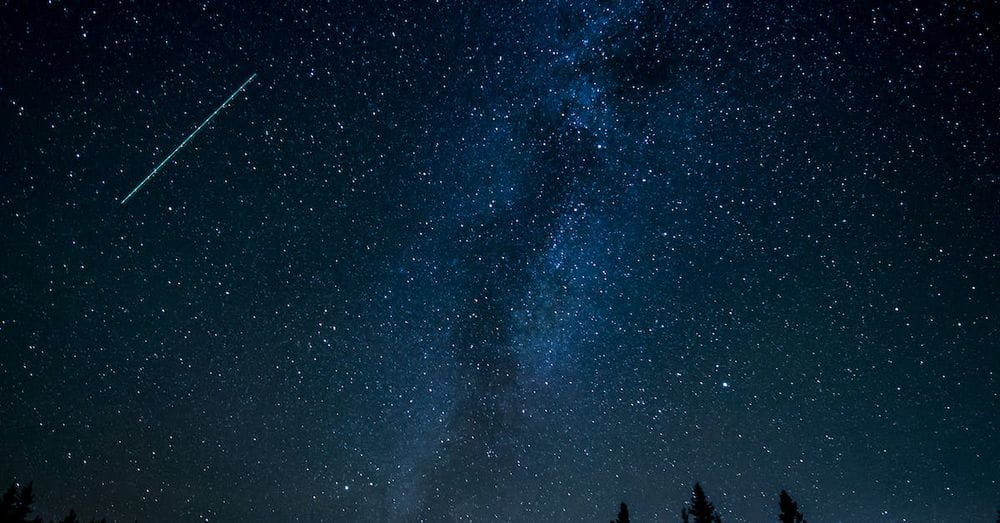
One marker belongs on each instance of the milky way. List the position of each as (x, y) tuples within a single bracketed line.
[(496, 261)]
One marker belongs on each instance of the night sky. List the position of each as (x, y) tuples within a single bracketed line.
[(501, 261)]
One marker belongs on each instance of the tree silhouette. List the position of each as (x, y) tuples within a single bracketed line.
[(15, 506), (72, 518), (700, 509), (622, 514), (789, 509)]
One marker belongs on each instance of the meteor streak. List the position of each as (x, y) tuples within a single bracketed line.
[(188, 139)]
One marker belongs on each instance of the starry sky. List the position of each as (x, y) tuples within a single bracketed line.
[(501, 261)]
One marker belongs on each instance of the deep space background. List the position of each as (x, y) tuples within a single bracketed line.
[(501, 261)]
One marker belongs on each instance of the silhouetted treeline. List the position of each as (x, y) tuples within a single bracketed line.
[(701, 510), (15, 507)]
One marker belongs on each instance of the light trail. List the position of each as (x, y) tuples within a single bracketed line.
[(188, 139)]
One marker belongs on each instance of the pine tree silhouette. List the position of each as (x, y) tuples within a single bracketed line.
[(700, 509), (622, 514), (789, 509), (15, 506), (72, 518)]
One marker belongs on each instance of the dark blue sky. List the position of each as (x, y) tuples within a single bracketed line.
[(501, 261)]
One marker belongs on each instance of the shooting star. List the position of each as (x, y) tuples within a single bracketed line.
[(188, 139)]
